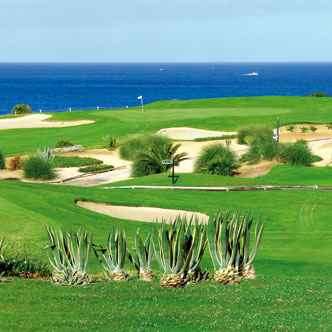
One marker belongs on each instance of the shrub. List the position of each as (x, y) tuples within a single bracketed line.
[(134, 145), (15, 163), (63, 143), (21, 109), (91, 169), (37, 168), (260, 151), (297, 153), (110, 142), (75, 161), (214, 138), (2, 161), (150, 161), (329, 126), (318, 94), (22, 259), (216, 159), (313, 129), (254, 134), (304, 130), (291, 128)]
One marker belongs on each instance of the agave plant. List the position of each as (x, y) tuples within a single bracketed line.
[(70, 256), (229, 242), (46, 154), (144, 254), (179, 247), (112, 256)]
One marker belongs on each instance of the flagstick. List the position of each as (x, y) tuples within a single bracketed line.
[(142, 104)]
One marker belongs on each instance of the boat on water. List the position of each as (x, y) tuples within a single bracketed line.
[(255, 73)]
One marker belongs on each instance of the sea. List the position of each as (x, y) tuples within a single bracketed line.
[(58, 87)]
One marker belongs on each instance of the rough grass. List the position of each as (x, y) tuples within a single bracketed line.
[(91, 169)]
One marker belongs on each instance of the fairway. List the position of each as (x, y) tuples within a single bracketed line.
[(292, 290)]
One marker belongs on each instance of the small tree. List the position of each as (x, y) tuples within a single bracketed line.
[(21, 109), (2, 161)]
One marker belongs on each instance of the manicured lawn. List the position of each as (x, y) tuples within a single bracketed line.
[(264, 304), (217, 114)]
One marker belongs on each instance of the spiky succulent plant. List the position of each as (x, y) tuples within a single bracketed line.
[(144, 254), (179, 247), (112, 256), (46, 154), (229, 242), (70, 253)]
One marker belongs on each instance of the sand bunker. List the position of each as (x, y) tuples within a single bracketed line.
[(37, 121), (146, 214), (185, 133), (321, 133)]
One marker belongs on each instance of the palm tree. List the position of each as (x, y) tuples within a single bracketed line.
[(150, 162)]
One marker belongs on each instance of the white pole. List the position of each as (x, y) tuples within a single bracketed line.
[(142, 104), (69, 109), (97, 107), (40, 111)]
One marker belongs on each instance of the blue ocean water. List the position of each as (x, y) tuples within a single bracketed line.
[(58, 86)]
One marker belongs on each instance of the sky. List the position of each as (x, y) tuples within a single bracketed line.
[(165, 30)]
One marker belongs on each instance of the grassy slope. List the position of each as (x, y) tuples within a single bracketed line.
[(217, 114)]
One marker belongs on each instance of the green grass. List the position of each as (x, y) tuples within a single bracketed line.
[(265, 304), (60, 161), (91, 169), (214, 138), (227, 114)]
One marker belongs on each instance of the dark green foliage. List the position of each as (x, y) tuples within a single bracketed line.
[(313, 129), (304, 130), (91, 169), (297, 153), (254, 134), (134, 145), (318, 94), (37, 168), (22, 259), (291, 128), (214, 138), (63, 143), (150, 161), (216, 159), (265, 150), (2, 161), (110, 142), (21, 109), (59, 161)]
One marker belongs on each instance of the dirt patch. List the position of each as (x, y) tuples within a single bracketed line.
[(253, 171), (37, 121), (186, 133), (145, 214)]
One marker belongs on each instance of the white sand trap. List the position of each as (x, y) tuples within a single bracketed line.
[(37, 121), (185, 133), (146, 214)]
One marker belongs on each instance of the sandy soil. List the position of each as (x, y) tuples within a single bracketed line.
[(321, 133), (37, 121), (145, 214), (252, 171), (185, 133)]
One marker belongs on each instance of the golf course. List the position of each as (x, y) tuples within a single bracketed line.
[(293, 285)]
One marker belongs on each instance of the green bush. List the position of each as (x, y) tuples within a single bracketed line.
[(59, 161), (267, 150), (216, 159), (2, 161), (110, 142), (313, 129), (91, 169), (304, 130), (37, 168), (21, 109), (214, 138), (254, 134), (134, 145), (23, 259), (291, 128), (150, 161), (318, 94), (63, 143), (297, 153)]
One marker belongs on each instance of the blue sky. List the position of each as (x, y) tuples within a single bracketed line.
[(167, 30)]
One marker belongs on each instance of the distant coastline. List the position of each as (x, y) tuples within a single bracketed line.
[(60, 86)]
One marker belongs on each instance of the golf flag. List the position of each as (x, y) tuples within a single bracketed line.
[(140, 97)]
